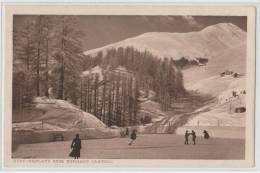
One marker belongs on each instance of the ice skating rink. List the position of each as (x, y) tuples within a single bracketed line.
[(153, 146)]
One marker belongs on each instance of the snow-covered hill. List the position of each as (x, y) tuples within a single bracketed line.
[(233, 59), (66, 115), (205, 43), (222, 111), (207, 80), (60, 115)]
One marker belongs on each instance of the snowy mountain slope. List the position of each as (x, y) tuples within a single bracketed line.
[(224, 44), (216, 85), (207, 80), (205, 43), (222, 110), (233, 59), (219, 115)]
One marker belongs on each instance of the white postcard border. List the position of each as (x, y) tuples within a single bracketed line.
[(131, 10)]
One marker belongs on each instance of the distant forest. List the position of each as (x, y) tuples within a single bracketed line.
[(119, 91), (48, 60)]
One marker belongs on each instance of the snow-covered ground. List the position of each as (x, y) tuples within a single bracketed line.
[(233, 59), (218, 117), (97, 70), (217, 86), (152, 109), (149, 107), (222, 111)]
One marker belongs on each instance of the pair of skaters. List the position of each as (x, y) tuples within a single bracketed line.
[(193, 134)]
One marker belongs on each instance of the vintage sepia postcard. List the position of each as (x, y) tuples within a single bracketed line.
[(141, 86)]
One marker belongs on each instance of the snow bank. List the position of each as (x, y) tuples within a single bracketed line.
[(50, 116), (35, 126), (65, 115), (121, 69)]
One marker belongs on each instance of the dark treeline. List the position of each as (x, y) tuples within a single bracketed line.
[(185, 62), (161, 76)]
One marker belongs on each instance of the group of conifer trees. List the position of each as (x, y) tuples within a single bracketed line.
[(48, 60), (47, 55), (114, 99), (159, 75)]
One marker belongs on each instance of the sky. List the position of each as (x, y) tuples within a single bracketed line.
[(101, 30)]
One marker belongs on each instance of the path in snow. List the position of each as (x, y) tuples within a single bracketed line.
[(184, 108)]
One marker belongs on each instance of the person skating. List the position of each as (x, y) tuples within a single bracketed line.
[(127, 132), (206, 134), (193, 137), (76, 147), (186, 142), (133, 137)]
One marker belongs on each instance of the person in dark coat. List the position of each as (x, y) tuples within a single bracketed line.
[(127, 132), (76, 147), (193, 137), (133, 137), (186, 137), (206, 134)]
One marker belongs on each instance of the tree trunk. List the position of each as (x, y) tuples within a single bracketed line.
[(81, 95), (61, 81), (38, 70), (130, 101), (110, 105), (62, 68), (47, 70), (103, 105)]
